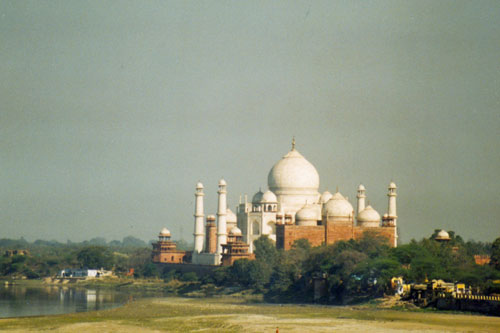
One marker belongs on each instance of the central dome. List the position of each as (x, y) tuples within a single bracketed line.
[(293, 174)]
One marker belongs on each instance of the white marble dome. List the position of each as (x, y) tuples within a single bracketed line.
[(443, 235), (293, 173), (164, 232), (307, 215), (338, 206), (369, 217), (269, 197)]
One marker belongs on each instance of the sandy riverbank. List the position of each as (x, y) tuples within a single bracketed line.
[(233, 315)]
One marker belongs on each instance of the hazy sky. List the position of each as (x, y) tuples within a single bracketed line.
[(112, 111)]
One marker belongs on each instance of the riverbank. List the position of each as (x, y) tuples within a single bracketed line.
[(173, 314)]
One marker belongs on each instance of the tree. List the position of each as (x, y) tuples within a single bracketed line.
[(132, 241), (250, 273), (95, 257), (265, 250), (495, 254)]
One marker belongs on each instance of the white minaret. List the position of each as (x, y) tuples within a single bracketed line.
[(392, 202), (199, 230), (221, 216), (361, 198)]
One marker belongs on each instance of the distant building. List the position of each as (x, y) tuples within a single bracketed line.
[(84, 273), (482, 259), (11, 253), (292, 208), (165, 250), (235, 248)]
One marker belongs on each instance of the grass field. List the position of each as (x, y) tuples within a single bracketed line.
[(238, 315)]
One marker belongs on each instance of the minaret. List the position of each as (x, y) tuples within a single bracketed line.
[(392, 202), (199, 232), (390, 218), (221, 216), (361, 198)]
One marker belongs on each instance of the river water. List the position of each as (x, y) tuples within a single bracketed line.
[(20, 301)]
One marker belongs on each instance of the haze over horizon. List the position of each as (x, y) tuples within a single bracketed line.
[(113, 111)]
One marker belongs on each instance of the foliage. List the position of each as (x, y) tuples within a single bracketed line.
[(357, 269), (495, 254), (47, 258), (95, 257)]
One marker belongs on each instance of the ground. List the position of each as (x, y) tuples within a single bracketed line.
[(237, 315)]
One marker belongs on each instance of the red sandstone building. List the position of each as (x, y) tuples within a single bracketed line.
[(165, 250), (235, 248)]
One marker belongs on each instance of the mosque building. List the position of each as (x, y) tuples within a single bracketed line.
[(291, 208)]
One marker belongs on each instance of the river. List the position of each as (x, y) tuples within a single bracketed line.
[(20, 300)]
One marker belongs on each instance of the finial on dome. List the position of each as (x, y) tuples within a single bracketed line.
[(293, 142), (337, 189)]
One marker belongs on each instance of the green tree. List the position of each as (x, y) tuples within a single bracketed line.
[(95, 257), (265, 250), (250, 273), (495, 254)]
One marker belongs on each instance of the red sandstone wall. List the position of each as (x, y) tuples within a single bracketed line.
[(169, 257), (286, 235)]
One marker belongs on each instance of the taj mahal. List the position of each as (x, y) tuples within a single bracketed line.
[(292, 208)]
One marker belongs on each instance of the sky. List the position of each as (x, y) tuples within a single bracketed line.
[(112, 111)]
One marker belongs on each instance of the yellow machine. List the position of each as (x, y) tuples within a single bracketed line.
[(399, 287)]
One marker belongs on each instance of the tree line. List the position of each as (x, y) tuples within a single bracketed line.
[(357, 270), (351, 270), (47, 258)]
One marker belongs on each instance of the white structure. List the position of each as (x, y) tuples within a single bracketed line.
[(392, 201), (361, 198), (199, 228), (293, 197), (221, 216)]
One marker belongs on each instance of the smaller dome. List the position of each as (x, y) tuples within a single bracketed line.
[(392, 185), (230, 216), (235, 231), (369, 215), (164, 232), (443, 235), (222, 182), (269, 197), (338, 206), (257, 198), (361, 187), (199, 186), (211, 217), (326, 196), (306, 213)]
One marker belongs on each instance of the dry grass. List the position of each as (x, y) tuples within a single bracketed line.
[(235, 315)]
